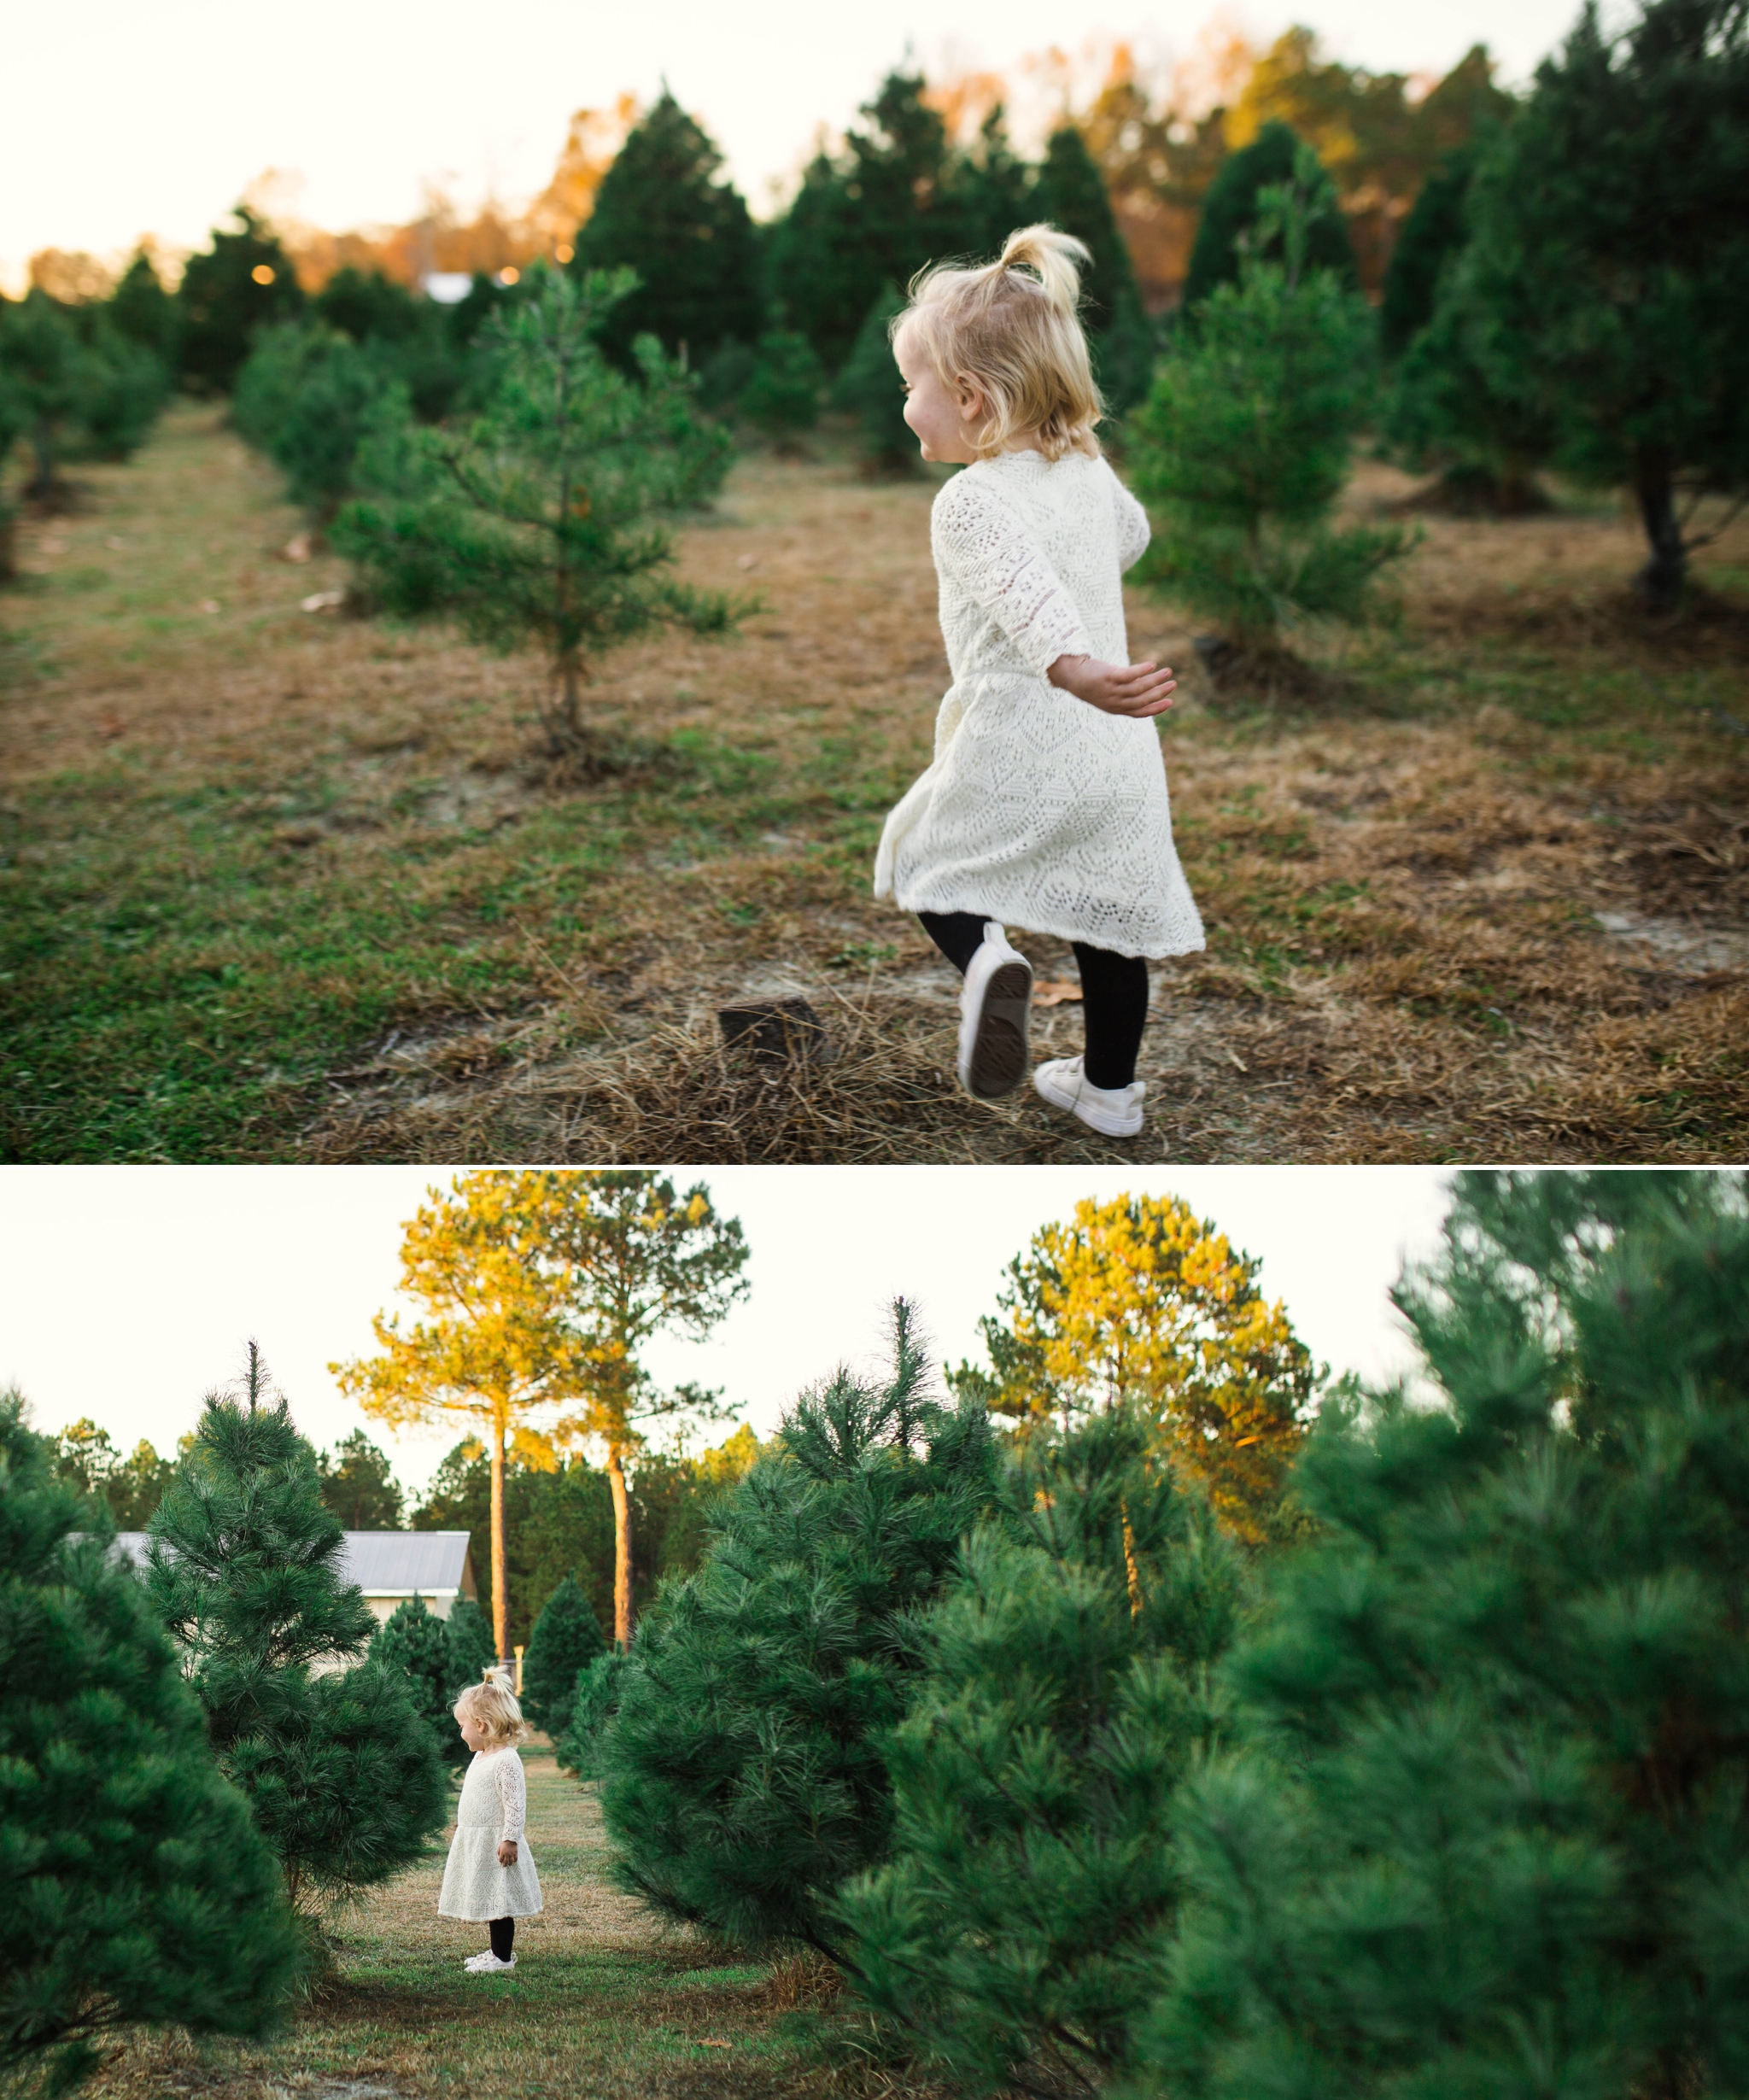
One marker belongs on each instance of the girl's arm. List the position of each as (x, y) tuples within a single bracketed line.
[(513, 1806)]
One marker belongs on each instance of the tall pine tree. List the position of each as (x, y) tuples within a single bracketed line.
[(742, 1772), (1071, 193), (664, 211), (1491, 1835), (343, 1778), (133, 1888)]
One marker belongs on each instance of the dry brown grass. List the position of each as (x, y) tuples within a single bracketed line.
[(1485, 897), (604, 2004)]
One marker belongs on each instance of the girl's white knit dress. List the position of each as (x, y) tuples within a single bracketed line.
[(494, 1806), (1038, 809)]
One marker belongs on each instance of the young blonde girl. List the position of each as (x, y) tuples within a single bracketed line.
[(1045, 805), (490, 1874)]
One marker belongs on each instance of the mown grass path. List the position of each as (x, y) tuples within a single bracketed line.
[(603, 2001)]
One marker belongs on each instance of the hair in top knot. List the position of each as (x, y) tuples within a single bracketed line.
[(493, 1705), (1010, 331)]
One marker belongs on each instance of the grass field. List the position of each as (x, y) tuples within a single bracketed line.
[(278, 885), (602, 2003)]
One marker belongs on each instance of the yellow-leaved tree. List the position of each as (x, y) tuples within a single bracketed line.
[(541, 1286), (1138, 1300)]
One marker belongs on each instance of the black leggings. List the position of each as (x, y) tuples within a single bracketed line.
[(503, 1931), (1113, 993)]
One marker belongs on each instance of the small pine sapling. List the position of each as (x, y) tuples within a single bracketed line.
[(134, 1889), (1067, 1690), (567, 1638), (1243, 445), (781, 395), (544, 521), (343, 1776)]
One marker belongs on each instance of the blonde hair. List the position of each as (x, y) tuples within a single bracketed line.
[(493, 1705), (1015, 338)]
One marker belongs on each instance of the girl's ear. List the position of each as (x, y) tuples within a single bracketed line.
[(971, 403)]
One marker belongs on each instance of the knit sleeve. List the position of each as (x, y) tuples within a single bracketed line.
[(983, 548), (513, 1796), (1133, 532)]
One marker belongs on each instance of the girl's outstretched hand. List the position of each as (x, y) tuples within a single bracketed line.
[(1116, 689)]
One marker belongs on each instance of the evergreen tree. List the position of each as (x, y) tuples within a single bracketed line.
[(567, 1638), (742, 1771), (1066, 1691), (544, 522), (133, 1888), (781, 394), (344, 1783), (142, 310), (1435, 231), (243, 283), (1607, 225), (359, 1487), (869, 388), (414, 1641), (994, 189), (893, 203), (1236, 220), (131, 1487), (664, 211), (1243, 443), (468, 1646), (594, 1700), (1137, 1303), (310, 399), (1491, 1835), (60, 388), (126, 390), (1071, 193)]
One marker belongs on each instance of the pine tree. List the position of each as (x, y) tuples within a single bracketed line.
[(468, 1646), (664, 211), (544, 524), (594, 1700), (742, 1773), (1608, 232), (344, 1781), (1491, 1835), (244, 282), (311, 399), (412, 1640), (1066, 1691), (1243, 443), (1071, 193), (133, 1888), (142, 310), (871, 390), (1137, 1302), (131, 1487), (1236, 221), (567, 1638), (60, 388), (359, 1486), (781, 394)]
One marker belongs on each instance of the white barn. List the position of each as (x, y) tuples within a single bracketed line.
[(388, 1566)]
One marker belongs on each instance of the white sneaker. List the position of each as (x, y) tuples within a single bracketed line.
[(1113, 1111), (487, 1963), (994, 1006)]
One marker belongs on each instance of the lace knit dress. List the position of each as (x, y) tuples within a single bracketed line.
[(494, 1801), (1038, 809)]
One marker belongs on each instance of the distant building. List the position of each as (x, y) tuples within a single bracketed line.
[(388, 1566)]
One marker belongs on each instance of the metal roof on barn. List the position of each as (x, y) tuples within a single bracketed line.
[(383, 1563)]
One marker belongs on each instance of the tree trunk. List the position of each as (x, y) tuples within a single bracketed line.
[(501, 1612), (1660, 581), (41, 485), (622, 1548)]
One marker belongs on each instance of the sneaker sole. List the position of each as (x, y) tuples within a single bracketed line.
[(998, 1060)]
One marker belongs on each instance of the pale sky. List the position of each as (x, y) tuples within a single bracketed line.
[(126, 1292), (123, 119)]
